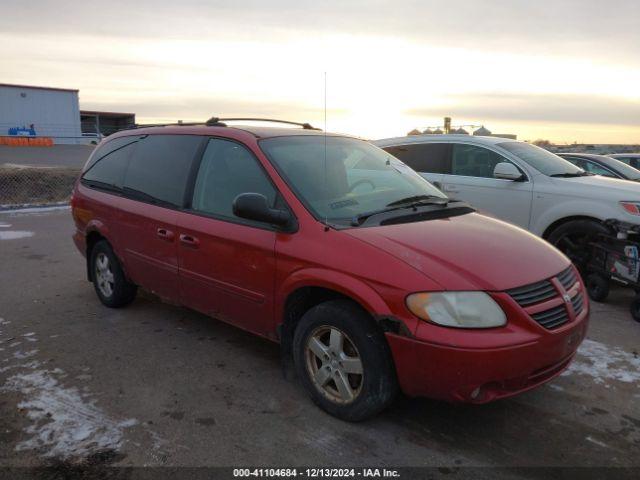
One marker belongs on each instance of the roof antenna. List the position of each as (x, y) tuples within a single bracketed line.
[(326, 186)]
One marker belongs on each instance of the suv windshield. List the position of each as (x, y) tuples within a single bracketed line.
[(542, 160), (341, 179)]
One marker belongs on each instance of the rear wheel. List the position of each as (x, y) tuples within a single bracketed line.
[(572, 239), (111, 285), (343, 361)]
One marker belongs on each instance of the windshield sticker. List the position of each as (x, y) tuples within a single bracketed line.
[(342, 204), (399, 166)]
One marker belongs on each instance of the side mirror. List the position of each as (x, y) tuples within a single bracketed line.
[(507, 171), (254, 206)]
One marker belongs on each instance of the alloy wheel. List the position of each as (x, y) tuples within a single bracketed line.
[(334, 364), (103, 275)]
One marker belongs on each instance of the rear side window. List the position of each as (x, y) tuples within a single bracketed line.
[(227, 170), (424, 157), (108, 165), (159, 169)]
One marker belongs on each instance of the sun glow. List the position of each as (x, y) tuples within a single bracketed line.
[(377, 86)]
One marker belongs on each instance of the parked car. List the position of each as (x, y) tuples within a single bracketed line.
[(522, 184), (602, 165), (368, 276), (632, 159)]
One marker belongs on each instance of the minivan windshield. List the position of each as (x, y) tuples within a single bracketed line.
[(341, 179), (542, 160)]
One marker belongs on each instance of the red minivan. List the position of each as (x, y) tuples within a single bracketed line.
[(371, 279)]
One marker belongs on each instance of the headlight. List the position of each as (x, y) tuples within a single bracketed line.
[(457, 309), (631, 207)]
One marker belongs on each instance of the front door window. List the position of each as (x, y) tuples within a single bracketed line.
[(474, 161)]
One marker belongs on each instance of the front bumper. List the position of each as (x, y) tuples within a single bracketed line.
[(458, 373)]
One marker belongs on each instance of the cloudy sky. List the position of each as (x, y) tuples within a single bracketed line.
[(565, 70)]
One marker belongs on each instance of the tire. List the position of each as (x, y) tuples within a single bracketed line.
[(571, 238), (597, 287), (635, 309), (109, 281), (373, 389)]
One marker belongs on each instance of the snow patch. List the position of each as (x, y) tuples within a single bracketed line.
[(14, 234), (597, 442), (603, 363), (553, 386), (32, 209), (22, 355), (64, 424)]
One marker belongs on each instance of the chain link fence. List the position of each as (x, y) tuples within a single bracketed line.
[(39, 176), (22, 186)]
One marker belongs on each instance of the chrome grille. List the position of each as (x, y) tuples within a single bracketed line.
[(538, 292), (578, 303), (568, 278), (552, 318), (534, 293)]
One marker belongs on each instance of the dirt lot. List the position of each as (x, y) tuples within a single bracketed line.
[(20, 185), (156, 385), (73, 156)]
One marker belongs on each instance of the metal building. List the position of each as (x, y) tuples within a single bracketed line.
[(105, 123), (51, 112)]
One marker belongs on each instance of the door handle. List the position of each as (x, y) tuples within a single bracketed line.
[(189, 240), (438, 185), (165, 234)]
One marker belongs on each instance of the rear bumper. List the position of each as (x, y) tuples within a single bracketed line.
[(482, 375)]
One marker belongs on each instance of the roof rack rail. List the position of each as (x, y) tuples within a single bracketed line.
[(177, 124), (220, 122)]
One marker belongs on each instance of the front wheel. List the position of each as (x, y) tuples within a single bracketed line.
[(343, 361), (572, 239)]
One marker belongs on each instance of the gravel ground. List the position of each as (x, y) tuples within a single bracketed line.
[(158, 385)]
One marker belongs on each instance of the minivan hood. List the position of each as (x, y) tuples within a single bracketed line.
[(604, 186), (468, 252)]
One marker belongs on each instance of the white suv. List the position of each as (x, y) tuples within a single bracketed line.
[(521, 184)]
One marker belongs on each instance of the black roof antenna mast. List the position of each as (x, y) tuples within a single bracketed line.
[(326, 186)]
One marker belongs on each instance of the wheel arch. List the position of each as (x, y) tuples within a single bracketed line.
[(308, 288), (94, 232), (558, 223)]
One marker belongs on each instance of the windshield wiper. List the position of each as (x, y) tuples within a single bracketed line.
[(571, 175), (419, 200), (358, 219)]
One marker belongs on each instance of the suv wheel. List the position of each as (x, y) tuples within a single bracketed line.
[(111, 285), (343, 361), (572, 239)]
